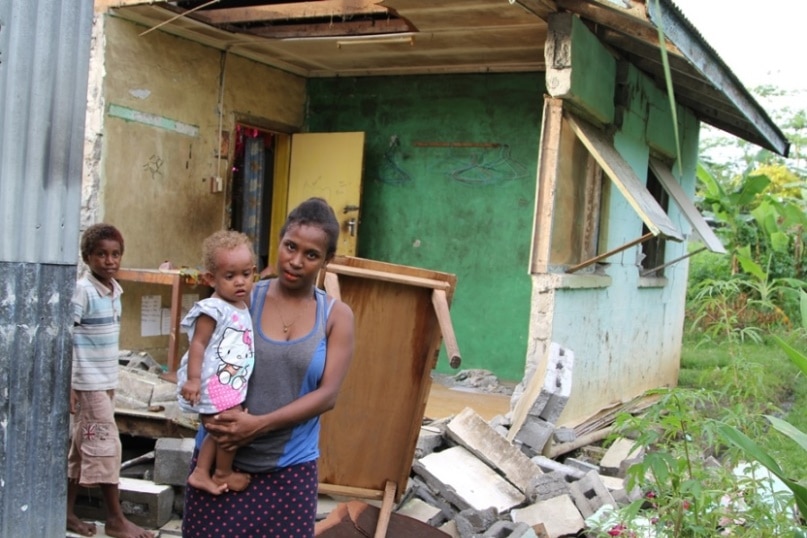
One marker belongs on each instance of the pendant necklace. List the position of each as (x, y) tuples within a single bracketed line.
[(287, 326)]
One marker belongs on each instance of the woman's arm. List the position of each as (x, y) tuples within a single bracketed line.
[(234, 428)]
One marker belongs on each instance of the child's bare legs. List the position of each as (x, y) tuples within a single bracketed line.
[(224, 473), (223, 478), (200, 477), (74, 524), (116, 524)]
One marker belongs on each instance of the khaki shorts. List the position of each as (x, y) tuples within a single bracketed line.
[(95, 449)]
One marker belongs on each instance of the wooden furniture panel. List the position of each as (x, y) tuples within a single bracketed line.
[(369, 439)]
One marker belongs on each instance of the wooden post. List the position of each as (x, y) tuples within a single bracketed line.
[(386, 509), (440, 303)]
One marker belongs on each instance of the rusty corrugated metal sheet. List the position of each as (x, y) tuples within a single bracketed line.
[(35, 350), (44, 59)]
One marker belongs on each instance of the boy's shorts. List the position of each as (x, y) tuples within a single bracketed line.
[(95, 449)]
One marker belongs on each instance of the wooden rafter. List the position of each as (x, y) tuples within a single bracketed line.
[(343, 28), (299, 10), (104, 5)]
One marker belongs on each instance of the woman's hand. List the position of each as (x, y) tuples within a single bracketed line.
[(233, 428)]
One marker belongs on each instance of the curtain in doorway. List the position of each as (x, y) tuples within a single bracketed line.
[(254, 171)]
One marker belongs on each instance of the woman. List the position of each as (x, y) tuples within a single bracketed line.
[(303, 347)]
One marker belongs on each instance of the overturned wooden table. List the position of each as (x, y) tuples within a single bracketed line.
[(401, 317)]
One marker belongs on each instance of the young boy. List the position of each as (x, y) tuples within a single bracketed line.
[(95, 449)]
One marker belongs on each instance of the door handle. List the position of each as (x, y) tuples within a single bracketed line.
[(351, 227)]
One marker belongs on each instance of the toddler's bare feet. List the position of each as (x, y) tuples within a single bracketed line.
[(74, 524), (203, 481), (233, 481)]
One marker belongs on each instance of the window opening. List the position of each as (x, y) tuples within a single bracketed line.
[(654, 248)]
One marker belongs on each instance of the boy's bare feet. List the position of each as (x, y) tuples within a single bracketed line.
[(123, 528), (74, 524), (203, 481), (233, 481)]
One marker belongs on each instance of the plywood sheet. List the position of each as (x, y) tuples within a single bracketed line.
[(370, 437)]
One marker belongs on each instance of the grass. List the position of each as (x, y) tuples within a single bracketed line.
[(752, 379)]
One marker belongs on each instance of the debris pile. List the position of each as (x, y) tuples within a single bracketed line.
[(510, 477)]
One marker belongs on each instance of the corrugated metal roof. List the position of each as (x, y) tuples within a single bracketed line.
[(44, 62)]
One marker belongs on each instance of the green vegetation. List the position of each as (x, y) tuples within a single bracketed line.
[(741, 402)]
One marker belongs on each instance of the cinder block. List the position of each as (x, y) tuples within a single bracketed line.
[(510, 529), (584, 466), (564, 435), (144, 503), (172, 460), (557, 384), (559, 516), (422, 511), (590, 494), (548, 465), (472, 522), (547, 486), (428, 442), (535, 433)]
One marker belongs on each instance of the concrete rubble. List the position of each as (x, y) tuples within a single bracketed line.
[(470, 478)]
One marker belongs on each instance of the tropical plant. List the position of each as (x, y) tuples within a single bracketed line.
[(753, 450)]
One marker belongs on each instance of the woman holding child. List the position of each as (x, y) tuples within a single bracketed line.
[(303, 346)]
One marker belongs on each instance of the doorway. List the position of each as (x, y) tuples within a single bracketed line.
[(253, 177)]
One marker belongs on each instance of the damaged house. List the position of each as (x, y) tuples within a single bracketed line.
[(530, 147)]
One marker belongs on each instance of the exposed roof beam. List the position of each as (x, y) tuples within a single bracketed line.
[(104, 5), (337, 29), (299, 10)]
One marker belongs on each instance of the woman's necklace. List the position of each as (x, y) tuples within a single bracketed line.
[(287, 326)]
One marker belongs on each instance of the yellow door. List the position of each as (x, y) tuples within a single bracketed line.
[(329, 165)]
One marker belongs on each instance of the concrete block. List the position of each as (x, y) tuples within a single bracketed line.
[(548, 465), (559, 516), (172, 459), (428, 441), (422, 511), (499, 421), (134, 389), (621, 451), (582, 465), (450, 528), (590, 494), (547, 486), (422, 491), (557, 383), (465, 481), (510, 529), (471, 431), (144, 503), (546, 390), (535, 433), (564, 435), (472, 522)]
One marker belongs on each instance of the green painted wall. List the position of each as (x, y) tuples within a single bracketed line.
[(435, 196)]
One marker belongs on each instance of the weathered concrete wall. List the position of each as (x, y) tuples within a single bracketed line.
[(625, 330), (449, 185), (151, 154)]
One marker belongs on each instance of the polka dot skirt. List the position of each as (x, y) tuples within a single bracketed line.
[(281, 504)]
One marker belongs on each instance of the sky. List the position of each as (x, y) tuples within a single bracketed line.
[(760, 40)]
